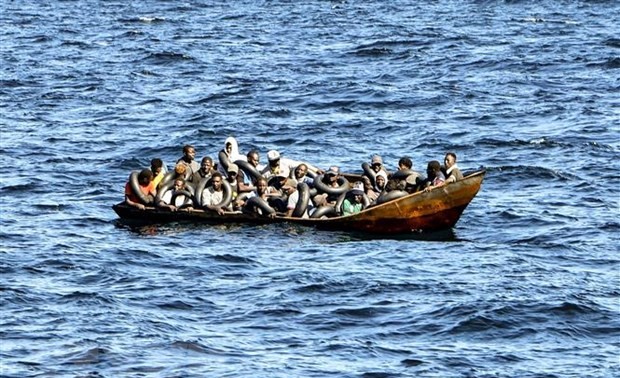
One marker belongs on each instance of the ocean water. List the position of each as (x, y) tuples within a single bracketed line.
[(526, 285)]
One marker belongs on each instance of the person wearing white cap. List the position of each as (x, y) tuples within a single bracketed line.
[(279, 165), (376, 164), (352, 204)]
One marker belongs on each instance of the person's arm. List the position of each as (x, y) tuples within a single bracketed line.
[(138, 205)]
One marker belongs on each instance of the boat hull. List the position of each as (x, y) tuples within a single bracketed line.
[(438, 209)]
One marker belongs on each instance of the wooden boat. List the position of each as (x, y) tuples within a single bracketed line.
[(438, 209)]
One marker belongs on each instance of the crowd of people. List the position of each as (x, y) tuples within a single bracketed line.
[(282, 187)]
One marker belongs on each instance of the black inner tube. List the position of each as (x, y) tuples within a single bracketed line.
[(135, 187), (258, 203), (302, 202), (343, 186)]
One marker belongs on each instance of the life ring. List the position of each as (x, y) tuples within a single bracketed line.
[(135, 187), (402, 174), (343, 186), (248, 169), (188, 192), (338, 207), (224, 161), (302, 201), (388, 196), (183, 192), (226, 197), (199, 188), (257, 202), (372, 175), (328, 211), (168, 177)]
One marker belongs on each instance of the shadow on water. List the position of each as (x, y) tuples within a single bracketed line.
[(144, 228)]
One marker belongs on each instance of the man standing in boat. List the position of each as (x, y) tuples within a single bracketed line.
[(189, 154)]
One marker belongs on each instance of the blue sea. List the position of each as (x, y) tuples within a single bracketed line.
[(527, 284)]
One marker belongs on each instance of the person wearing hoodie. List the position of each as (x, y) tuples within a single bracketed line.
[(228, 155)]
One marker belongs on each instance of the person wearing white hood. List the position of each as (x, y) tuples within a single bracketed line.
[(380, 180), (228, 155)]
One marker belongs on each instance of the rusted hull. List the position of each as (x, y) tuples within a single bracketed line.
[(438, 209)]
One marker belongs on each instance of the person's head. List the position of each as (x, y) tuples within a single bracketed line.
[(253, 158), (300, 171), (156, 166), (381, 180), (179, 184), (367, 183), (189, 152), (216, 181), (432, 168), (180, 169), (357, 194), (273, 157), (232, 172), (376, 163), (332, 174), (449, 160), (287, 185), (206, 163), (229, 148), (261, 186), (145, 177), (405, 163)]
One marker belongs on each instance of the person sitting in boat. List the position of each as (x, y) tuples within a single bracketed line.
[(206, 170), (189, 154), (277, 164), (434, 176), (353, 202), (376, 164), (380, 182), (452, 171), (228, 155), (159, 171), (405, 178), (231, 176), (300, 174), (329, 180), (279, 190), (177, 198), (261, 191), (246, 184), (369, 189), (213, 195), (145, 183)]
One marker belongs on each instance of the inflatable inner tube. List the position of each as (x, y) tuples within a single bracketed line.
[(168, 177), (343, 186), (372, 175), (182, 192), (200, 186), (135, 187), (388, 196), (188, 192), (302, 202), (258, 203), (365, 201), (328, 211), (226, 197), (402, 174), (249, 170), (224, 161)]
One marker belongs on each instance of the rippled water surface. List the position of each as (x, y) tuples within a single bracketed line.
[(526, 284)]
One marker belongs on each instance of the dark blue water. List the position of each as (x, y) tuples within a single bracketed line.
[(526, 285)]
